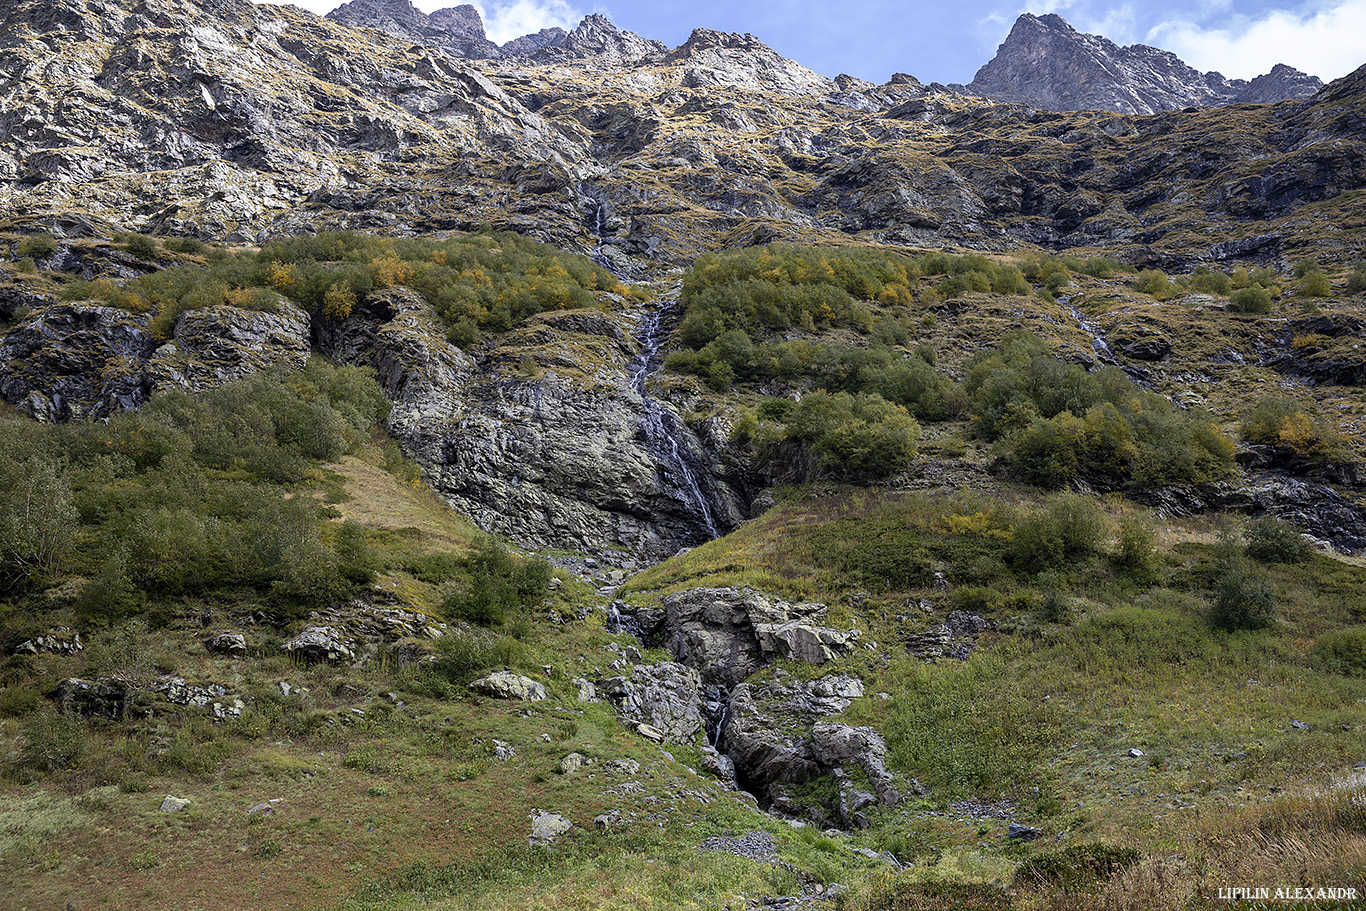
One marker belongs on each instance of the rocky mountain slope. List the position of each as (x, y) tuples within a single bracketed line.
[(1046, 63), (245, 122), (459, 29)]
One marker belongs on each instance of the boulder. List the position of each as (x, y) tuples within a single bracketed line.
[(105, 697), (662, 701), (321, 643), (227, 643), (547, 828), (507, 685), (729, 633), (172, 804)]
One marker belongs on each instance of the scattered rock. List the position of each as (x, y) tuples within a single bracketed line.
[(1135, 753), (507, 685), (1021, 832), (587, 692), (503, 751), (60, 640), (572, 763), (174, 804), (1299, 725), (756, 845)]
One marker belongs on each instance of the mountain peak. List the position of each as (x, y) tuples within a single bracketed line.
[(459, 29), (1047, 63), (597, 38)]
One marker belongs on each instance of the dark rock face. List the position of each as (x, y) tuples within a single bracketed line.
[(458, 30), (1046, 63), (77, 360)]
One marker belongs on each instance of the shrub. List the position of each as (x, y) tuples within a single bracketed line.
[(498, 585), (1071, 528), (1076, 867), (1356, 282), (1253, 299), (1136, 546), (1270, 540), (1342, 651), (1315, 284), (1307, 266), (1243, 599), (54, 741), (142, 246), (1210, 282), (463, 656), (37, 246), (1155, 283), (853, 438)]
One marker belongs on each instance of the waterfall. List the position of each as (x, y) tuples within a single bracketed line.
[(662, 427)]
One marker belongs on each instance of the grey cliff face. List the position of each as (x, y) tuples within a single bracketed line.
[(556, 460), (598, 40), (1046, 63)]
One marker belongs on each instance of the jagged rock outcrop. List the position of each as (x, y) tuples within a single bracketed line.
[(459, 30), (778, 732), (527, 45), (727, 633), (709, 58), (76, 360), (662, 701), (1046, 63), (217, 345)]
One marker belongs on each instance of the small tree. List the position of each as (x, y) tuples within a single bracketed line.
[(1243, 598)]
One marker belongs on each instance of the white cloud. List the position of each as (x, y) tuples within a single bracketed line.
[(504, 20), (1327, 42)]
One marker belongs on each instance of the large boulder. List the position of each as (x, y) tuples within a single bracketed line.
[(729, 633), (507, 685), (778, 732), (321, 643), (664, 698)]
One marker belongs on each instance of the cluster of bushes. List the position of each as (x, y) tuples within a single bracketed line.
[(478, 282), (857, 438), (1283, 423), (193, 495), (493, 587), (1055, 422)]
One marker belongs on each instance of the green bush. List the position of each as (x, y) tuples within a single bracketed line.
[(1076, 867), (1356, 282), (1054, 422), (54, 741), (855, 438), (1342, 651), (462, 656), (498, 585), (1253, 299), (36, 246), (1270, 540), (1154, 282), (1243, 599), (17, 701), (1210, 282), (1315, 284), (142, 246), (1136, 546), (1307, 266), (1071, 529)]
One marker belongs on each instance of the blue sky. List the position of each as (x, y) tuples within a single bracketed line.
[(939, 42)]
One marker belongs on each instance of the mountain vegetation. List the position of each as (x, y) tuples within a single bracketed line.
[(585, 473)]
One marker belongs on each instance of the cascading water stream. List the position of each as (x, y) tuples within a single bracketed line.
[(660, 424)]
